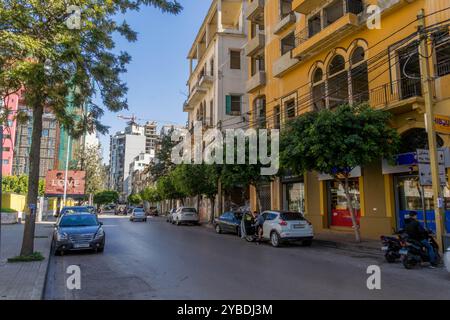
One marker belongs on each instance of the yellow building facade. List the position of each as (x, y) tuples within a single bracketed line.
[(305, 55)]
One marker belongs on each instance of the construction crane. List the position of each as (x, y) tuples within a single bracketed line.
[(134, 119)]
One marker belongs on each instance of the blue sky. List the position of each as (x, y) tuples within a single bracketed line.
[(157, 75)]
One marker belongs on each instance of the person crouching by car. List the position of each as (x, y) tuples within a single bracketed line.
[(417, 232), (259, 222)]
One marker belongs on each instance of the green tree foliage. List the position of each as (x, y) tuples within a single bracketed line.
[(44, 49), (19, 185), (163, 164), (106, 197), (134, 199), (150, 194), (335, 142), (167, 190)]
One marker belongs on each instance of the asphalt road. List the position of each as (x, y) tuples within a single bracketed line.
[(156, 260)]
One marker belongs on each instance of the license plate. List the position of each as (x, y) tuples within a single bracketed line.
[(299, 226), (385, 248), (403, 252), (81, 245)]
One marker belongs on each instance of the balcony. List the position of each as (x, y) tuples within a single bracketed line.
[(398, 97), (256, 81), (284, 64), (306, 6), (285, 23), (255, 45), (255, 10), (187, 107), (196, 95), (205, 81), (308, 45)]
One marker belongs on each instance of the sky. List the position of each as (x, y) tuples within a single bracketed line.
[(158, 72)]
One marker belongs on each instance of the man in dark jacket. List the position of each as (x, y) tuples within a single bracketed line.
[(417, 232)]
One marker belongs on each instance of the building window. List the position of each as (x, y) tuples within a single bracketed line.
[(318, 90), (333, 12), (259, 111), (5, 161), (45, 133), (235, 59), (277, 117), (338, 82), (285, 8), (314, 25), (211, 67), (6, 149), (360, 76), (257, 64), (211, 113), (233, 105), (290, 109), (287, 43), (442, 48)]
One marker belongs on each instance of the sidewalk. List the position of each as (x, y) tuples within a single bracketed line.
[(346, 241), (25, 280)]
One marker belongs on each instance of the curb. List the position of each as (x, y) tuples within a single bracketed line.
[(39, 288), (346, 246)]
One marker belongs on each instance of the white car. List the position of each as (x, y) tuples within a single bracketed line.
[(138, 214), (281, 226), (169, 217), (185, 215)]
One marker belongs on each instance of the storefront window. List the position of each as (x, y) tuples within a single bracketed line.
[(295, 197), (340, 215), (411, 196)]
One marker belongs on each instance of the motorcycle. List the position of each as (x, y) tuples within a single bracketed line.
[(413, 252), (391, 246)]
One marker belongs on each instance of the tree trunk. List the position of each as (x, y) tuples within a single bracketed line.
[(33, 182), (352, 211), (219, 195), (258, 198), (212, 216)]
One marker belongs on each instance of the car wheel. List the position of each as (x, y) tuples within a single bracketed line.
[(101, 249), (218, 229), (307, 243), (275, 239)]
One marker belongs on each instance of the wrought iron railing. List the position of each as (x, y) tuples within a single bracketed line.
[(395, 91)]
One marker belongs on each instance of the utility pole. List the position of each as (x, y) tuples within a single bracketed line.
[(427, 82), (67, 170)]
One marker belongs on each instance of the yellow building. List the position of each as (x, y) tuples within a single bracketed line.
[(305, 55)]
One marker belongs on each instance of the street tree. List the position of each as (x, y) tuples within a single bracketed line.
[(106, 197), (58, 50), (19, 185), (167, 190), (335, 142), (163, 164), (150, 194), (134, 199)]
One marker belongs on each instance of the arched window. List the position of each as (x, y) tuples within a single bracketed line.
[(417, 138), (337, 82), (359, 76), (318, 90)]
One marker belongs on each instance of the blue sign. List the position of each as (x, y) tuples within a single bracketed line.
[(32, 206), (406, 159)]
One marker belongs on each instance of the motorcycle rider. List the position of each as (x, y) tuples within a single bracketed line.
[(417, 232)]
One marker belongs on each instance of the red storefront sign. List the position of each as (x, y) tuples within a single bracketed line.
[(54, 182)]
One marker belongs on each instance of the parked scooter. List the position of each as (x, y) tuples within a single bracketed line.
[(391, 246), (413, 252)]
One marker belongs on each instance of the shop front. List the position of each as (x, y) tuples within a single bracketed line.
[(338, 213), (293, 193)]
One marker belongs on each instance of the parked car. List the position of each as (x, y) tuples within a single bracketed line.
[(75, 209), (229, 222), (281, 226), (78, 231), (138, 214), (169, 216), (185, 215), (108, 209), (447, 259), (153, 211)]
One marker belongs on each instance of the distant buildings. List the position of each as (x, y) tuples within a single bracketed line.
[(10, 105), (130, 150)]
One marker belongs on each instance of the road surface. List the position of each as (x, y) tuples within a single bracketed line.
[(157, 260)]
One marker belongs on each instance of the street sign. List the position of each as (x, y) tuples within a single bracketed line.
[(442, 124), (423, 159)]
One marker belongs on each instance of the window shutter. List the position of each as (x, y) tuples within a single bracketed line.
[(228, 105)]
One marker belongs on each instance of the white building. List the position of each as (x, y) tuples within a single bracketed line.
[(136, 167), (218, 68)]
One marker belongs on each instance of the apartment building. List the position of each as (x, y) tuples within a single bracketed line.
[(139, 164), (8, 108), (218, 69), (306, 55)]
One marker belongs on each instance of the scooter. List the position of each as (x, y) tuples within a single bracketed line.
[(391, 246), (413, 252)]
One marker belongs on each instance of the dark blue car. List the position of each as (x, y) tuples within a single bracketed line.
[(229, 222)]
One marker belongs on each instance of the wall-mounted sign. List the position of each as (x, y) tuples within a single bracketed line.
[(442, 124)]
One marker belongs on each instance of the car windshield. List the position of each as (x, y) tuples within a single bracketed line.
[(81, 220), (189, 210), (290, 216), (76, 210)]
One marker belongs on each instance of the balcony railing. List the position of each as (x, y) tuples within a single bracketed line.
[(396, 91)]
